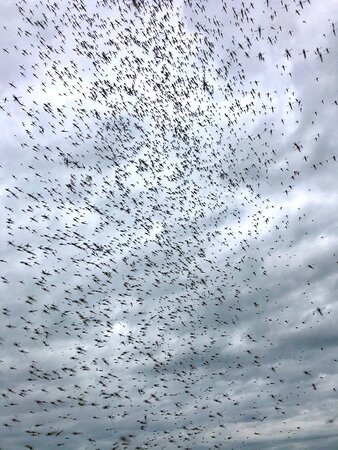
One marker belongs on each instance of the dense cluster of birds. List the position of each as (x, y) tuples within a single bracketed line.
[(147, 183)]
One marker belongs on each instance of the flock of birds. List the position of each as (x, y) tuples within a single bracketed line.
[(151, 156)]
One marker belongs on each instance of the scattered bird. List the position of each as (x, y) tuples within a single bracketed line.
[(155, 158)]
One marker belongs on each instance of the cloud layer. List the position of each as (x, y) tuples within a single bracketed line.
[(169, 260)]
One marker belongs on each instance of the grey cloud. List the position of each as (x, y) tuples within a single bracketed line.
[(166, 245)]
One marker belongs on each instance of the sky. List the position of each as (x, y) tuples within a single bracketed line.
[(168, 181)]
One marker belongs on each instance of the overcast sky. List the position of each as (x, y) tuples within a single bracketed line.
[(169, 248)]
